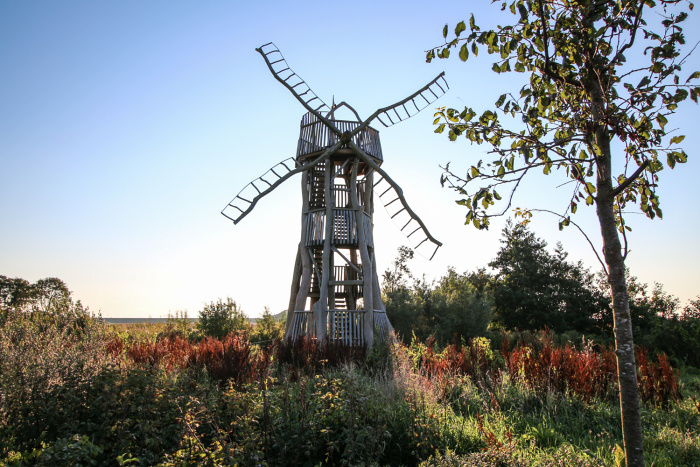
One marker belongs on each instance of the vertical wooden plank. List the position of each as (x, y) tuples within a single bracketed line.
[(323, 305), (297, 300)]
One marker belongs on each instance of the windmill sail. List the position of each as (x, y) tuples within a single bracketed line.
[(414, 103), (401, 213), (247, 198), (405, 219), (284, 74)]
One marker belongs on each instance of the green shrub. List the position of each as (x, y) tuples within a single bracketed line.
[(268, 329), (77, 450), (221, 318), (39, 356)]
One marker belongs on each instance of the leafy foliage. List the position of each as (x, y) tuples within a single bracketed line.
[(217, 319), (268, 328), (582, 92), (157, 407), (535, 289), (582, 95), (451, 306)]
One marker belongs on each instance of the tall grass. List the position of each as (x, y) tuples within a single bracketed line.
[(171, 401)]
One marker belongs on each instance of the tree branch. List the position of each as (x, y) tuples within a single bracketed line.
[(622, 186), (618, 55), (605, 269)]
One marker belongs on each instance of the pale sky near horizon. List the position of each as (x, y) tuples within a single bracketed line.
[(125, 128)]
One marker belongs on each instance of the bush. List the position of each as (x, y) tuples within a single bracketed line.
[(221, 318), (458, 309), (268, 329), (38, 355)]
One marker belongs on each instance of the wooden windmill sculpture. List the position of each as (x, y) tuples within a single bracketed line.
[(335, 292)]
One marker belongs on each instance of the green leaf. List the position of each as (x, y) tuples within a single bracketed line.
[(496, 68), (661, 120), (695, 75), (677, 139), (444, 32), (523, 12), (464, 53), (475, 49), (461, 27), (500, 100), (589, 200)]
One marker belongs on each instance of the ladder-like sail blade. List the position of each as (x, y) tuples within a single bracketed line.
[(281, 71), (248, 197), (413, 104), (391, 195), (405, 219)]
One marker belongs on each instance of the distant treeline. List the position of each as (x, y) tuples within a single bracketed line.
[(527, 288)]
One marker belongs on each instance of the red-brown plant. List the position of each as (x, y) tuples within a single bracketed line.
[(658, 382), (172, 353), (310, 356), (231, 359)]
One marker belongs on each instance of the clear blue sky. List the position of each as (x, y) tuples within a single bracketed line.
[(125, 127)]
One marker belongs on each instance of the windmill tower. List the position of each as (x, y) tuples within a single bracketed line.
[(335, 291)]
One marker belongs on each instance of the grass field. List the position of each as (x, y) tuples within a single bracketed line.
[(140, 394)]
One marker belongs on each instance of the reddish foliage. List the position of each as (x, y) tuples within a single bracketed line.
[(170, 352), (115, 346), (546, 368), (658, 382), (310, 356), (456, 359), (231, 359), (489, 436)]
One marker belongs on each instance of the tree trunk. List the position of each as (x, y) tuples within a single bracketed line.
[(624, 341)]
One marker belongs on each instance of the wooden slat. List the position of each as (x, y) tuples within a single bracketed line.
[(315, 136)]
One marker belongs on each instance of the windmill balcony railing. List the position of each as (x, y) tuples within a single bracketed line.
[(344, 227), (315, 136), (342, 326)]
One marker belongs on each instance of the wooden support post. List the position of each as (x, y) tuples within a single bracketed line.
[(368, 297), (295, 285), (321, 308), (302, 291)]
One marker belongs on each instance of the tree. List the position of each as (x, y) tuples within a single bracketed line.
[(268, 328), (15, 294), (536, 289), (458, 309), (458, 304), (582, 95), (405, 307)]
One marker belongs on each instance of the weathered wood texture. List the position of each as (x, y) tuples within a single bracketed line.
[(335, 289), (316, 136)]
